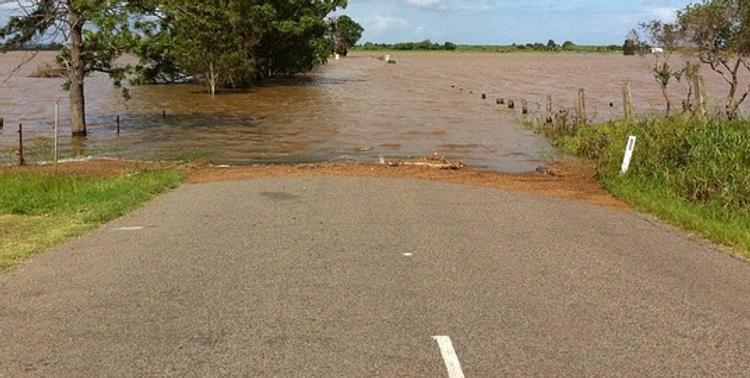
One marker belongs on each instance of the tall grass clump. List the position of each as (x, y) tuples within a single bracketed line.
[(702, 160), (693, 172)]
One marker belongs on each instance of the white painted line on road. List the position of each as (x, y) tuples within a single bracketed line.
[(449, 356), (129, 229)]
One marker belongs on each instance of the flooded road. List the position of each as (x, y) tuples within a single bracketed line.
[(357, 109)]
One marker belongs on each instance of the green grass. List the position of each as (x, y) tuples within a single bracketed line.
[(39, 210), (689, 172), (710, 221)]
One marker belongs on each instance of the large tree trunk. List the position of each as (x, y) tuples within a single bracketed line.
[(76, 73), (211, 79)]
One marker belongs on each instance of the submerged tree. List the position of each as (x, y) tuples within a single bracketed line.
[(295, 36), (667, 37), (345, 33), (229, 43), (93, 34), (210, 41), (633, 44)]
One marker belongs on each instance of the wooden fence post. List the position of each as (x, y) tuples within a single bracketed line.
[(21, 160), (627, 101), (550, 116), (581, 110), (700, 98)]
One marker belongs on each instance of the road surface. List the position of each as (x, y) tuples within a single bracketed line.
[(333, 276)]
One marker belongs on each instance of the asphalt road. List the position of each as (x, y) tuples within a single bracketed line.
[(309, 277)]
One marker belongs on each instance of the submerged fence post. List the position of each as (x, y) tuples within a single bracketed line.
[(700, 98), (118, 125), (550, 116), (627, 101), (57, 128), (581, 110), (21, 161), (2, 123)]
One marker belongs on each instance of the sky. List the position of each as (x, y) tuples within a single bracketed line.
[(498, 21), (506, 21)]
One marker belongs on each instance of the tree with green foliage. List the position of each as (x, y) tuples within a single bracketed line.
[(718, 32), (210, 41), (230, 43), (632, 43), (345, 33), (294, 36), (93, 34), (667, 37)]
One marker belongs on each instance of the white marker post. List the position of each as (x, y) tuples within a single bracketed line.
[(628, 154), (337, 56)]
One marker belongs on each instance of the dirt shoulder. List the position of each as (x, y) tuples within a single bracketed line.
[(568, 180)]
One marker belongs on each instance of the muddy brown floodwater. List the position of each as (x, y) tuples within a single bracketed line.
[(357, 109)]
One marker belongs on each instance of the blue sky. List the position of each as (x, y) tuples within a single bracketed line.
[(498, 21), (506, 21)]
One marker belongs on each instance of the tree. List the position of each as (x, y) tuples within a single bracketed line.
[(295, 36), (718, 32), (667, 37), (210, 41), (93, 34), (632, 43), (230, 43), (551, 44), (345, 33), (568, 45)]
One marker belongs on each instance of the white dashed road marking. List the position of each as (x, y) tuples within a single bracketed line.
[(129, 229), (449, 356)]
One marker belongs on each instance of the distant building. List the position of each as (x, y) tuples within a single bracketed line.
[(657, 50)]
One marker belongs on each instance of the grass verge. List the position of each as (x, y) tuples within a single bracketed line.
[(691, 173), (41, 209)]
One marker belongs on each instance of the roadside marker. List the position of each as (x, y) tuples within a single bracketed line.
[(408, 254), (449, 356), (628, 154)]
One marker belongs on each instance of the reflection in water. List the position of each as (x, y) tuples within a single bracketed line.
[(356, 108)]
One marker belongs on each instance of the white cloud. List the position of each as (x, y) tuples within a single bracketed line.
[(666, 14), (437, 4), (378, 24)]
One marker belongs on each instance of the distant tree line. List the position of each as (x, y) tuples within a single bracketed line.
[(427, 45), (552, 46)]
